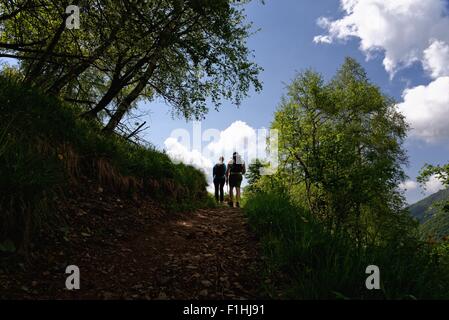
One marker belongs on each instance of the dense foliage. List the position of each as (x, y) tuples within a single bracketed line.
[(333, 207), (186, 52), (340, 149), (437, 227), (309, 262)]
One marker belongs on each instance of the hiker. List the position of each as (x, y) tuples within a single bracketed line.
[(234, 176), (219, 173)]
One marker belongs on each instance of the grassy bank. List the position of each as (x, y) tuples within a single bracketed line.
[(46, 151), (308, 262)]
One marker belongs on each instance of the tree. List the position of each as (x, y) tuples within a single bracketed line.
[(189, 53), (253, 176), (342, 141)]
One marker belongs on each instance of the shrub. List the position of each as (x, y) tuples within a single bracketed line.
[(316, 263)]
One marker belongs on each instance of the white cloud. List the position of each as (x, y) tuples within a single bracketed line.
[(426, 108), (399, 28), (179, 153), (415, 191), (239, 136), (408, 185), (322, 39), (436, 59), (433, 185), (406, 31)]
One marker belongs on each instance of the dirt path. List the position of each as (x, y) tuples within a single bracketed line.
[(208, 254)]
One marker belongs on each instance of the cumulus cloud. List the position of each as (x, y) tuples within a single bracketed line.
[(433, 185), (426, 109), (408, 185), (179, 153), (400, 28), (414, 190), (322, 39), (406, 32), (239, 136), (436, 59)]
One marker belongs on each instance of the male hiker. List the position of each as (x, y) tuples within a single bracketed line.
[(234, 176), (218, 173)]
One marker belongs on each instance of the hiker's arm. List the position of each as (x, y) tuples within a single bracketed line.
[(213, 172), (244, 168)]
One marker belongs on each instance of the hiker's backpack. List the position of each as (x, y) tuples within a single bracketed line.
[(220, 170)]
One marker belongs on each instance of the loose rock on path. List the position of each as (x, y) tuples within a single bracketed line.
[(207, 254)]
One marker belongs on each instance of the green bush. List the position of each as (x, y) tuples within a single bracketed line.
[(316, 263)]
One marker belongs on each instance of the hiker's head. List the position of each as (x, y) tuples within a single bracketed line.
[(236, 157), (221, 159)]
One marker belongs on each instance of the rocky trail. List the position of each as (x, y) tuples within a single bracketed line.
[(125, 253)]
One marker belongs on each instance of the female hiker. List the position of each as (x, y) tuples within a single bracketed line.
[(234, 176)]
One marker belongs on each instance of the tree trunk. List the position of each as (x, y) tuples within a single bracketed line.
[(116, 85), (113, 90), (132, 96)]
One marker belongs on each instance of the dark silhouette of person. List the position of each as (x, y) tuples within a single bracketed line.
[(234, 176), (219, 174)]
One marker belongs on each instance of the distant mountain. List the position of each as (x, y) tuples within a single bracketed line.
[(432, 226), (422, 210)]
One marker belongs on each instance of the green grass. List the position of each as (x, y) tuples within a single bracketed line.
[(309, 262), (46, 149)]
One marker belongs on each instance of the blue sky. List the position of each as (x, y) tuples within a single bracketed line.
[(283, 46)]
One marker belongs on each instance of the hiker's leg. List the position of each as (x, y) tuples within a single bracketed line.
[(216, 185), (222, 183), (237, 196), (232, 185), (237, 190), (231, 194)]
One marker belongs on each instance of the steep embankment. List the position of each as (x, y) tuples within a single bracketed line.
[(48, 154)]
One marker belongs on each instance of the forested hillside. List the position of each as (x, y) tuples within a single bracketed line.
[(424, 209)]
